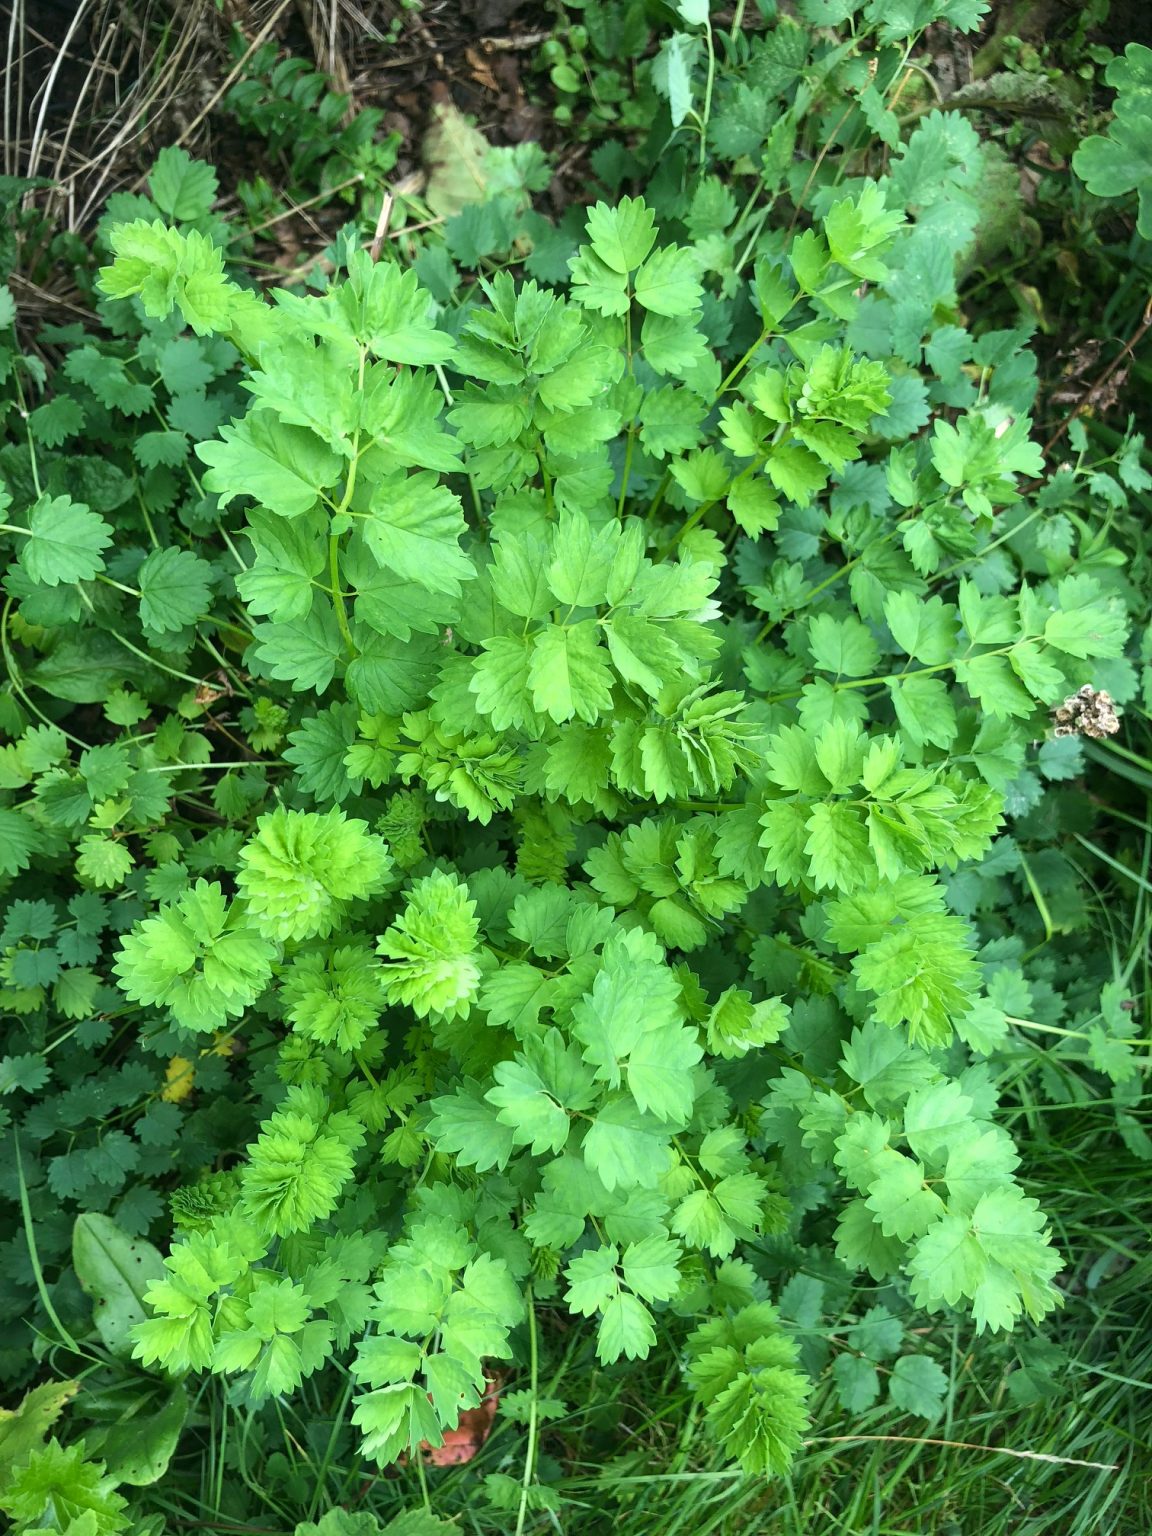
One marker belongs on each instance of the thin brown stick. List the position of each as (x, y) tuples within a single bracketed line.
[(255, 229), (382, 224), (15, 127), (57, 64), (228, 82), (135, 109), (1126, 351), (106, 41)]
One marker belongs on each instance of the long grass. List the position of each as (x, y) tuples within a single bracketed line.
[(631, 1457)]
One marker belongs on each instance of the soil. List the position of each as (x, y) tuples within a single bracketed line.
[(479, 54), (380, 54)]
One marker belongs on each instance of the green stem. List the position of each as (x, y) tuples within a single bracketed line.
[(144, 513), (1041, 906), (1049, 1029), (364, 1067), (726, 383), (819, 161), (829, 581), (345, 503), (119, 585), (330, 1449), (627, 475), (34, 1257), (337, 593), (757, 229), (710, 44), (533, 1416), (184, 677), (1131, 757), (749, 208), (251, 762), (880, 681), (219, 1451), (23, 408), (961, 565), (705, 507), (232, 550), (657, 500), (234, 681), (422, 1475)]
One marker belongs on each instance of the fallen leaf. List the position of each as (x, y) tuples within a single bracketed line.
[(179, 1075), (463, 1442), (454, 154)]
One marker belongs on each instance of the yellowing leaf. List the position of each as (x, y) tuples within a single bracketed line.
[(179, 1076), (454, 153), (22, 1429)]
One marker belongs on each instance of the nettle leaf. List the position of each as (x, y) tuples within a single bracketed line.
[(923, 973), (836, 846), (390, 313), (414, 528), (289, 558), (626, 1329), (630, 1028), (622, 236), (432, 948), (284, 468), (181, 187), (320, 749), (625, 1146), (27, 1073), (925, 710), (843, 646), (153, 449), (65, 542), (19, 840), (57, 420), (569, 673), (1086, 623), (304, 652), (918, 1385), (580, 568), (857, 1383), (667, 283), (175, 588), (670, 421), (466, 1125), (923, 627), (198, 957), (743, 1371), (598, 286), (858, 229), (670, 345), (524, 1103)]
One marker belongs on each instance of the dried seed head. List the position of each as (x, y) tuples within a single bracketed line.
[(1088, 712)]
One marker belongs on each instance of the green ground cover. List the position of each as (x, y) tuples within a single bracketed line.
[(575, 865)]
